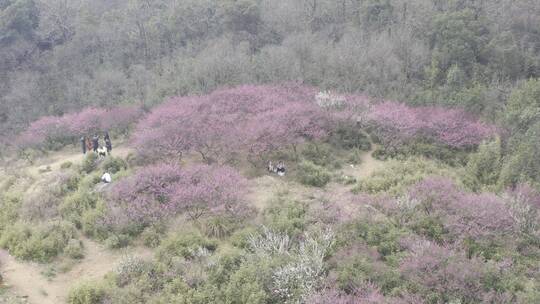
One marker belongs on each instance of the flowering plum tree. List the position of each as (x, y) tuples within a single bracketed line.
[(67, 128), (163, 190), (252, 119), (396, 123), (465, 215), (446, 272)]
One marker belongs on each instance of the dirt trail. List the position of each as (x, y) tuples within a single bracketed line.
[(367, 166), (264, 188), (56, 160), (26, 279)]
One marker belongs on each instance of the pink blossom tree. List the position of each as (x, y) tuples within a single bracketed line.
[(65, 129), (250, 119), (445, 272), (160, 191), (465, 215), (396, 123)]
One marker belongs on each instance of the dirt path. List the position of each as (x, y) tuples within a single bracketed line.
[(26, 279), (367, 166), (54, 162), (264, 188)]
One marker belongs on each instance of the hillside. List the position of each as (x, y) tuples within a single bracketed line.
[(269, 151), (380, 202)]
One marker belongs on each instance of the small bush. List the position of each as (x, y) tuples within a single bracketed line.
[(321, 155), (117, 241), (90, 162), (130, 268), (397, 175), (37, 243), (240, 238), (74, 249), (91, 222), (312, 174), (40, 203), (218, 226), (288, 217), (152, 235), (76, 204), (86, 293), (350, 137), (184, 245), (66, 165), (113, 165)]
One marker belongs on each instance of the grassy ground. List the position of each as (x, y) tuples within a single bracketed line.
[(50, 283)]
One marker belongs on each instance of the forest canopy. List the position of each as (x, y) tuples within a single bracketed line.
[(59, 56)]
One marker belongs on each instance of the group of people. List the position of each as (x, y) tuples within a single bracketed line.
[(279, 169), (92, 144)]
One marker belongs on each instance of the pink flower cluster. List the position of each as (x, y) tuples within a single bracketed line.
[(252, 119), (396, 123), (163, 190), (444, 271), (368, 293), (464, 214), (68, 127)]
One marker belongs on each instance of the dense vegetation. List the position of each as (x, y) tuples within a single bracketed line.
[(443, 96), (59, 56)]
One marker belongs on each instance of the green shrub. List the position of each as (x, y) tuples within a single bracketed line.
[(240, 238), (289, 217), (321, 155), (113, 164), (86, 293), (37, 242), (398, 175), (183, 244), (131, 268), (312, 174), (378, 233), (66, 165), (247, 286), (116, 241), (152, 235), (75, 204), (354, 270), (350, 137), (9, 211), (74, 249), (427, 226), (90, 222), (218, 226), (90, 162)]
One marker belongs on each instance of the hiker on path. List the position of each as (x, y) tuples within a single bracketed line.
[(88, 144), (280, 169), (106, 178), (83, 144), (108, 143), (95, 143)]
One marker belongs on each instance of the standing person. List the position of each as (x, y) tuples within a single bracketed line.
[(83, 144), (108, 143), (106, 137), (88, 144), (95, 143), (281, 169)]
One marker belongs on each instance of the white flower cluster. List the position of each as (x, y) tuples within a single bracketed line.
[(299, 278), (524, 215), (329, 100), (269, 243), (406, 203)]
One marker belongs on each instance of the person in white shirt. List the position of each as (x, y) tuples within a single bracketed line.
[(106, 178)]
